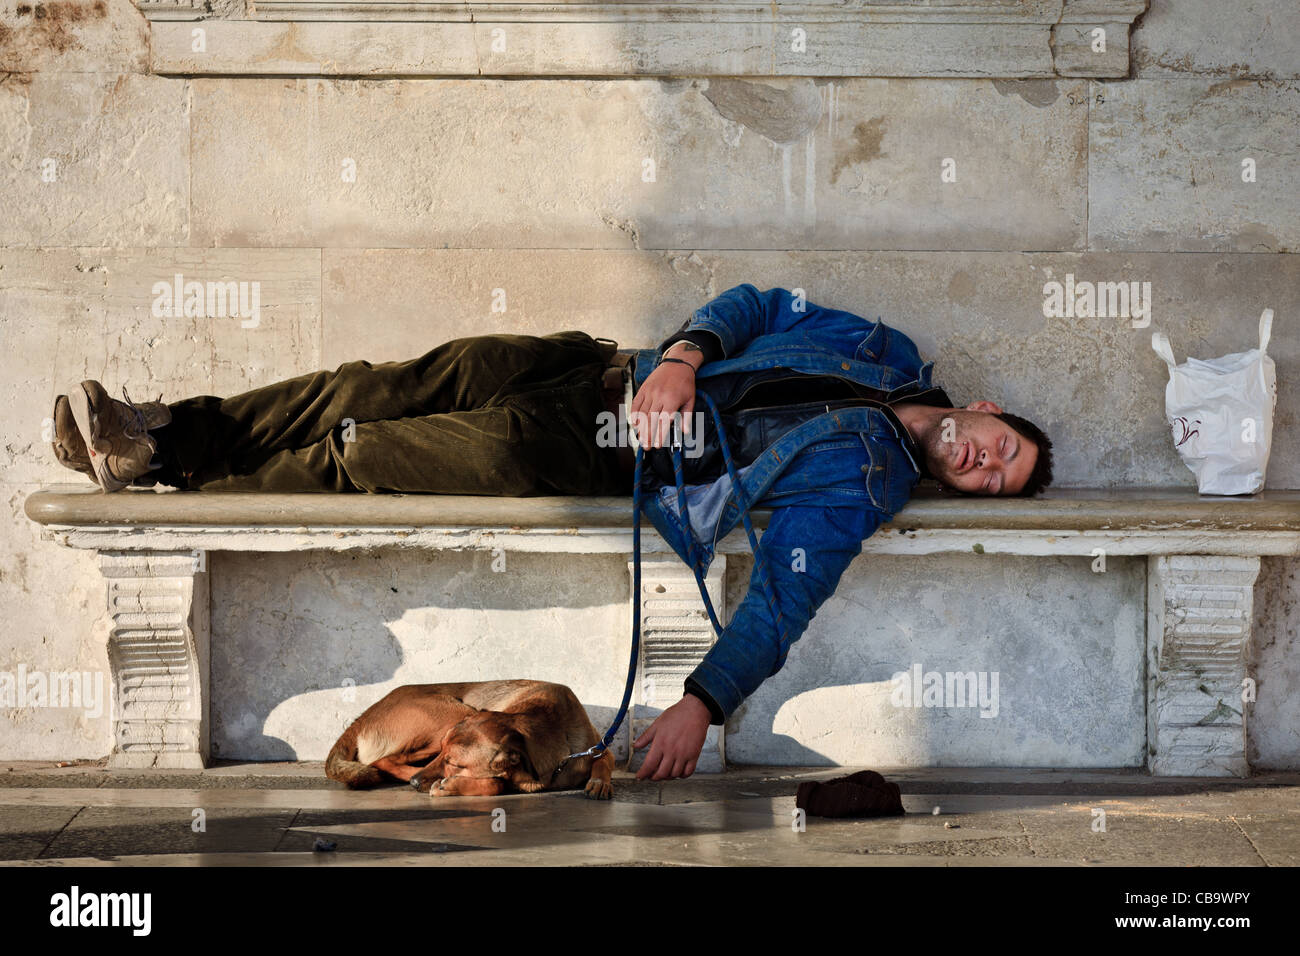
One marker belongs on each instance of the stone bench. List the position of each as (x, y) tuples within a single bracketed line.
[(1202, 559)]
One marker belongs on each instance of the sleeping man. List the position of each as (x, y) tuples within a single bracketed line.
[(831, 420)]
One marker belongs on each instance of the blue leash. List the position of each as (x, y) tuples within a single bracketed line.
[(693, 551)]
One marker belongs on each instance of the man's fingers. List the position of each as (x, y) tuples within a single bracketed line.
[(657, 426), (651, 763), (665, 425), (690, 768), (653, 409), (638, 419), (645, 738), (669, 767)]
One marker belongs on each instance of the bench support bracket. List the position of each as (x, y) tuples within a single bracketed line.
[(158, 645), (675, 636), (1199, 615)]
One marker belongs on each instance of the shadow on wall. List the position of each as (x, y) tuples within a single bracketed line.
[(1019, 661), (302, 643)]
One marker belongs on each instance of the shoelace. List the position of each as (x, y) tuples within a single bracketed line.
[(142, 430)]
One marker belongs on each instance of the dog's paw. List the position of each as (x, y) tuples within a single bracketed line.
[(430, 784), (598, 789)]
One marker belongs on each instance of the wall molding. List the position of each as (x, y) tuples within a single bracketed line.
[(833, 38)]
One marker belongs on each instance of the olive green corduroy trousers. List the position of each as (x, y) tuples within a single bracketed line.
[(511, 415)]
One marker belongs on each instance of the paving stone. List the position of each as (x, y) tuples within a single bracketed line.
[(1139, 832), (1258, 825), (302, 836), (111, 831), (26, 831), (1275, 836)]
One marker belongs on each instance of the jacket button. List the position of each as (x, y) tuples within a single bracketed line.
[(866, 467), (845, 366)]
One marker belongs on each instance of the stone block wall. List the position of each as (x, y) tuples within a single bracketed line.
[(390, 186)]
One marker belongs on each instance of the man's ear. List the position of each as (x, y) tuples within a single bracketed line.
[(983, 405)]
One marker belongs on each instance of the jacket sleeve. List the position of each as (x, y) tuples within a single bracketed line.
[(707, 341), (806, 548), (737, 316)]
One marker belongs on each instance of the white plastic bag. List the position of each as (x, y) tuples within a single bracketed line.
[(1221, 413)]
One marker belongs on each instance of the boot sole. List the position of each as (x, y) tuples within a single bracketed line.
[(64, 451), (83, 413)]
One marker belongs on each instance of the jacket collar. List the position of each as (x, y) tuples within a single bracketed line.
[(930, 396)]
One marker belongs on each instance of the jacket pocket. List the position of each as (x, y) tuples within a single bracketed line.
[(876, 473), (873, 344)]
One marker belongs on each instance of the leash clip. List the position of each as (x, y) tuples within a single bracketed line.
[(593, 751)]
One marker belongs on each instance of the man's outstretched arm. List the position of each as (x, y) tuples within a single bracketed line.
[(807, 549)]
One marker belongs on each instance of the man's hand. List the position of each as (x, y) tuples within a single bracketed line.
[(675, 737), (669, 388)]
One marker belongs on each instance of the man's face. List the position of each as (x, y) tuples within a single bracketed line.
[(978, 453)]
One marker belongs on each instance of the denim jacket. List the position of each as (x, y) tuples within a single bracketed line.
[(830, 482)]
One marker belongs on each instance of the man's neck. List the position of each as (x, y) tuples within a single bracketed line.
[(917, 418)]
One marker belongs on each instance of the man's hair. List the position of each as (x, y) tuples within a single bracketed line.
[(1041, 476)]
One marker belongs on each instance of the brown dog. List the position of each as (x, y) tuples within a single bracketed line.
[(474, 739)]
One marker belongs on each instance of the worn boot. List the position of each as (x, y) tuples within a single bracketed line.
[(116, 433), (69, 446)]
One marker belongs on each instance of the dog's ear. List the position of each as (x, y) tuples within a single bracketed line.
[(525, 762), (543, 749), (516, 744), (435, 768), (446, 738), (440, 756)]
